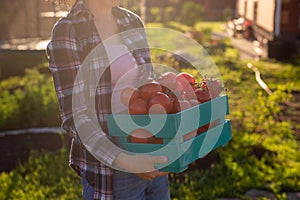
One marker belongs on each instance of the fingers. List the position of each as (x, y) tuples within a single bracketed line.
[(158, 159), (151, 175), (146, 163), (146, 176), (159, 173)]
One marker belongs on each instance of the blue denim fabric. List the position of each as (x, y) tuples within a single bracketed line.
[(128, 186), (87, 189)]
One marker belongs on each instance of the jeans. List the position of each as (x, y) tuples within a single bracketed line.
[(131, 187), (128, 186), (87, 189)]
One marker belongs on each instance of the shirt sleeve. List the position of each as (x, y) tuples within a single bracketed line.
[(75, 100)]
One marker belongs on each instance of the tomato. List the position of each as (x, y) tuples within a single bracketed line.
[(168, 80), (188, 95), (157, 109), (129, 94), (148, 89), (215, 88), (172, 96), (160, 103), (213, 85), (141, 136), (138, 106), (176, 107), (202, 95), (189, 77), (178, 92), (179, 105), (187, 81)]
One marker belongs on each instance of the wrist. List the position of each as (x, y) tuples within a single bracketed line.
[(122, 161)]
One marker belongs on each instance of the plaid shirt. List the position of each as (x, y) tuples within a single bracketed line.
[(74, 38)]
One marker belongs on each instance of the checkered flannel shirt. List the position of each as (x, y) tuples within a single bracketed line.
[(73, 39)]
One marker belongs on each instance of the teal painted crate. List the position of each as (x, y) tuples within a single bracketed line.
[(173, 128)]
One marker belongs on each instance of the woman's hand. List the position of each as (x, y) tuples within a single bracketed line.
[(141, 165), (151, 175)]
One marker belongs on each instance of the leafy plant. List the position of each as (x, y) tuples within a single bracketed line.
[(28, 101), (45, 176)]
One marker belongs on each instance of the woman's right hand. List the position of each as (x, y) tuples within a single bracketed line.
[(141, 165)]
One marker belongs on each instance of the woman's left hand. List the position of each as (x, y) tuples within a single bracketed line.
[(151, 175)]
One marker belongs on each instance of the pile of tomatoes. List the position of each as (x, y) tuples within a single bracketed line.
[(168, 94)]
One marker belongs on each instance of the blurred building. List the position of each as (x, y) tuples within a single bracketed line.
[(213, 9), (25, 31), (35, 18), (275, 24), (217, 9), (27, 19)]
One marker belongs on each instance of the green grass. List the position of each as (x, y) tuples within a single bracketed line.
[(218, 26)]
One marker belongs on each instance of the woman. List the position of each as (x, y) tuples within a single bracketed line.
[(87, 26)]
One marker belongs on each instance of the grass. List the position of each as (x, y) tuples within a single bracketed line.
[(218, 26)]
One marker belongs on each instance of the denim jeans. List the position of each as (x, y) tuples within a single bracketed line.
[(131, 187), (87, 189), (128, 186)]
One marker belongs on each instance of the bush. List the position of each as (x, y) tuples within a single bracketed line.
[(28, 101), (155, 14), (45, 176)]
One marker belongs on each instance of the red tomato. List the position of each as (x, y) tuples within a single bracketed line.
[(178, 92), (176, 107), (129, 94), (215, 88), (148, 89), (187, 81), (165, 90), (138, 106), (160, 103), (141, 136), (184, 104), (179, 105), (189, 77), (213, 85), (202, 95), (188, 95), (157, 109), (168, 80), (172, 96)]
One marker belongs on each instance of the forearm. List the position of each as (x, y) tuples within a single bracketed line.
[(95, 140)]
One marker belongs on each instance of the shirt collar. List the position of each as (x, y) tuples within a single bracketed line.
[(80, 8)]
